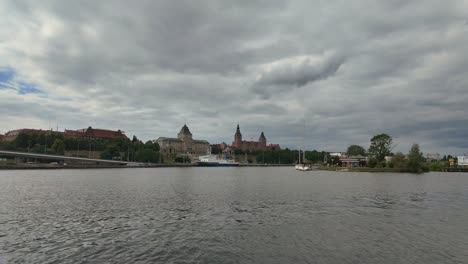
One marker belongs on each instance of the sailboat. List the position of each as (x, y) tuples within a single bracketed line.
[(303, 166)]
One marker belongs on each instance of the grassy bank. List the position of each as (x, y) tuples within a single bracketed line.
[(360, 169)]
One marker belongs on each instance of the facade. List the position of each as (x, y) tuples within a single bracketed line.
[(95, 133), (85, 132), (1, 137), (183, 144), (261, 144), (337, 154), (354, 161), (11, 135)]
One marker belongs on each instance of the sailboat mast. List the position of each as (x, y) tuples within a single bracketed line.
[(303, 141)]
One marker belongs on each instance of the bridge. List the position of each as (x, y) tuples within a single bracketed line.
[(62, 157)]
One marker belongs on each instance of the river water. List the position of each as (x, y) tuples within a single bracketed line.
[(232, 215)]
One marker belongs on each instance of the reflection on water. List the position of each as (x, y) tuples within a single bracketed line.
[(232, 215)]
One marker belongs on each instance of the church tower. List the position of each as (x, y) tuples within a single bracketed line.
[(237, 137), (262, 140)]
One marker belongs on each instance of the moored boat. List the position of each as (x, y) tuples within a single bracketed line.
[(214, 161), (304, 167)]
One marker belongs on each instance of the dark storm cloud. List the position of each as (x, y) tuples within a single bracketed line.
[(347, 69), (296, 71)]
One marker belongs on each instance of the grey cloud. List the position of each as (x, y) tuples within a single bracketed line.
[(296, 71)]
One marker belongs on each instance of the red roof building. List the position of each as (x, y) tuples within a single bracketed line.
[(85, 132), (95, 133), (11, 135), (72, 133), (261, 144)]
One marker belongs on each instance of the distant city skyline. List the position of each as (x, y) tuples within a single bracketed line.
[(346, 72)]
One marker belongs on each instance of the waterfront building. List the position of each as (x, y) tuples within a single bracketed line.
[(183, 144), (261, 144), (95, 133), (354, 161), (337, 154), (13, 134), (85, 132)]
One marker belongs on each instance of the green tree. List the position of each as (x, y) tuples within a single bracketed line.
[(415, 159), (215, 149), (110, 152), (438, 165), (182, 160), (381, 146), (398, 161), (314, 156), (58, 147), (356, 150), (22, 141), (146, 155), (373, 162), (153, 146)]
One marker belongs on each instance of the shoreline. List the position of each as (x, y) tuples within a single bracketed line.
[(58, 167)]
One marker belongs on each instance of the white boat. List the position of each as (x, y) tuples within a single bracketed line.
[(214, 161), (303, 166)]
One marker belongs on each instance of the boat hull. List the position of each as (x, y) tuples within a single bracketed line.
[(216, 164), (304, 167)]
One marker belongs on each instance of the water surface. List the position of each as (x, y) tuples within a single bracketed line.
[(232, 215)]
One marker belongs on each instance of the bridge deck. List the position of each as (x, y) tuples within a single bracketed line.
[(59, 157)]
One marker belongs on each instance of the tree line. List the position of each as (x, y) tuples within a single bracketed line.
[(114, 148), (283, 156), (381, 146)]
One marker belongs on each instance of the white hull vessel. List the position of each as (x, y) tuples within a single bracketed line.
[(214, 161), (304, 167)]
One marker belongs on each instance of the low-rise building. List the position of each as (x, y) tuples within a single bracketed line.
[(354, 161), (337, 154), (85, 132), (95, 133), (183, 144), (13, 134), (1, 137)]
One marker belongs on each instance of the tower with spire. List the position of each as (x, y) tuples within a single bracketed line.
[(261, 144), (237, 138), (262, 140)]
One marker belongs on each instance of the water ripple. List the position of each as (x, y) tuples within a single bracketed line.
[(243, 215)]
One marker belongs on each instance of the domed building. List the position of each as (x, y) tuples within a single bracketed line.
[(183, 144)]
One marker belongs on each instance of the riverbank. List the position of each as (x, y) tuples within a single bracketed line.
[(47, 166), (359, 169)]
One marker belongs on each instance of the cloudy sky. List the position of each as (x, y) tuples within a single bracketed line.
[(333, 72)]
